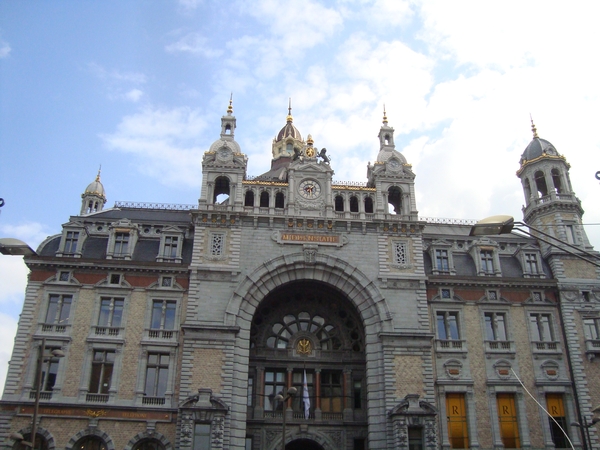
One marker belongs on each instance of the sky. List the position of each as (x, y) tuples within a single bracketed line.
[(139, 89)]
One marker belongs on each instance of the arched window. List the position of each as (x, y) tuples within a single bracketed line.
[(279, 200), (395, 200), (149, 444), (339, 203), (540, 183), (249, 198), (221, 195), (289, 147), (40, 442), (264, 199), (556, 181), (90, 443), (227, 129), (369, 205), (353, 204)]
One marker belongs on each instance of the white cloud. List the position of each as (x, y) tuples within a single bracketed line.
[(166, 140), (190, 4), (116, 75), (4, 49), (196, 44), (134, 95)]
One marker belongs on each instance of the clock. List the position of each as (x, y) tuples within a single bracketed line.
[(309, 189), (394, 163)]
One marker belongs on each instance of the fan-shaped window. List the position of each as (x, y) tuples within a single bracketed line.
[(556, 181), (339, 203), (264, 199), (279, 200), (369, 205), (540, 183), (395, 200), (249, 198), (353, 204), (221, 194)]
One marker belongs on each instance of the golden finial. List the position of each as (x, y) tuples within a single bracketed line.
[(533, 129), (99, 170), (289, 118), (230, 107), (385, 121)]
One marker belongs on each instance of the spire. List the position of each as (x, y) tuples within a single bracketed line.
[(289, 117), (385, 121), (230, 107), (98, 176), (533, 129)]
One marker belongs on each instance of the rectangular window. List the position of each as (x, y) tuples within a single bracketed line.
[(570, 230), (49, 369), (487, 261), (250, 391), (541, 327), (495, 326), (274, 385), (531, 264), (111, 312), (331, 391), (415, 438), (102, 369), (591, 328), (157, 373), (298, 401), (71, 242), (170, 248), (507, 417), (555, 406), (121, 243), (248, 445), (441, 261), (360, 444), (447, 325), (357, 394), (202, 436), (400, 253), (216, 245), (163, 315), (59, 309), (457, 421)]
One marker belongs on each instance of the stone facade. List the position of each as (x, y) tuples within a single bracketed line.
[(186, 326)]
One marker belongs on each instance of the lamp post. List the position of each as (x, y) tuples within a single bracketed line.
[(291, 392), (56, 353), (585, 429)]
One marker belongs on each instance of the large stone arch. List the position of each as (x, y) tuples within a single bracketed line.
[(327, 442), (312, 266), (90, 431), (40, 431)]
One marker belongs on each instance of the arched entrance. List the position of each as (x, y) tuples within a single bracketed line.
[(306, 334), (303, 444)]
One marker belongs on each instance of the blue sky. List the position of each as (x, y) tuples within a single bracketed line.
[(139, 88)]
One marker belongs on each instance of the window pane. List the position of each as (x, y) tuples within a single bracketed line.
[(117, 313), (453, 326), (104, 312), (65, 310), (156, 314), (52, 309), (170, 316)]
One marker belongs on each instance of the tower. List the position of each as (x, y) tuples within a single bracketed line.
[(93, 198), (224, 168), (392, 176), (550, 203)]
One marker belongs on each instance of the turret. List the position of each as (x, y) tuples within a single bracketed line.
[(93, 198)]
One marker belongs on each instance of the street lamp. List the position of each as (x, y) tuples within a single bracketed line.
[(15, 247), (502, 224), (291, 392), (56, 353), (585, 428)]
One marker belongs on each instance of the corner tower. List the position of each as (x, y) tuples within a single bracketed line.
[(550, 203), (93, 198), (223, 169), (393, 177)]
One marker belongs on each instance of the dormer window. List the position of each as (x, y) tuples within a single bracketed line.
[(485, 256), (487, 261), (122, 240), (441, 258), (170, 247), (121, 247), (531, 261)]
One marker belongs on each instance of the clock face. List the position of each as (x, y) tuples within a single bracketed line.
[(394, 164), (309, 189)]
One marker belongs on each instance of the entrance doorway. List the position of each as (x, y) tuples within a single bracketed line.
[(303, 444)]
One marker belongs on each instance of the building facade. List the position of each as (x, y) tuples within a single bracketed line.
[(187, 326)]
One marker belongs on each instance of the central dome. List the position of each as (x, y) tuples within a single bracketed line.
[(538, 147), (289, 130)]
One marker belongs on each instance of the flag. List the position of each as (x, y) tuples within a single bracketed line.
[(305, 397)]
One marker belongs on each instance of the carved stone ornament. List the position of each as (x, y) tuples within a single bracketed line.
[(304, 347)]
